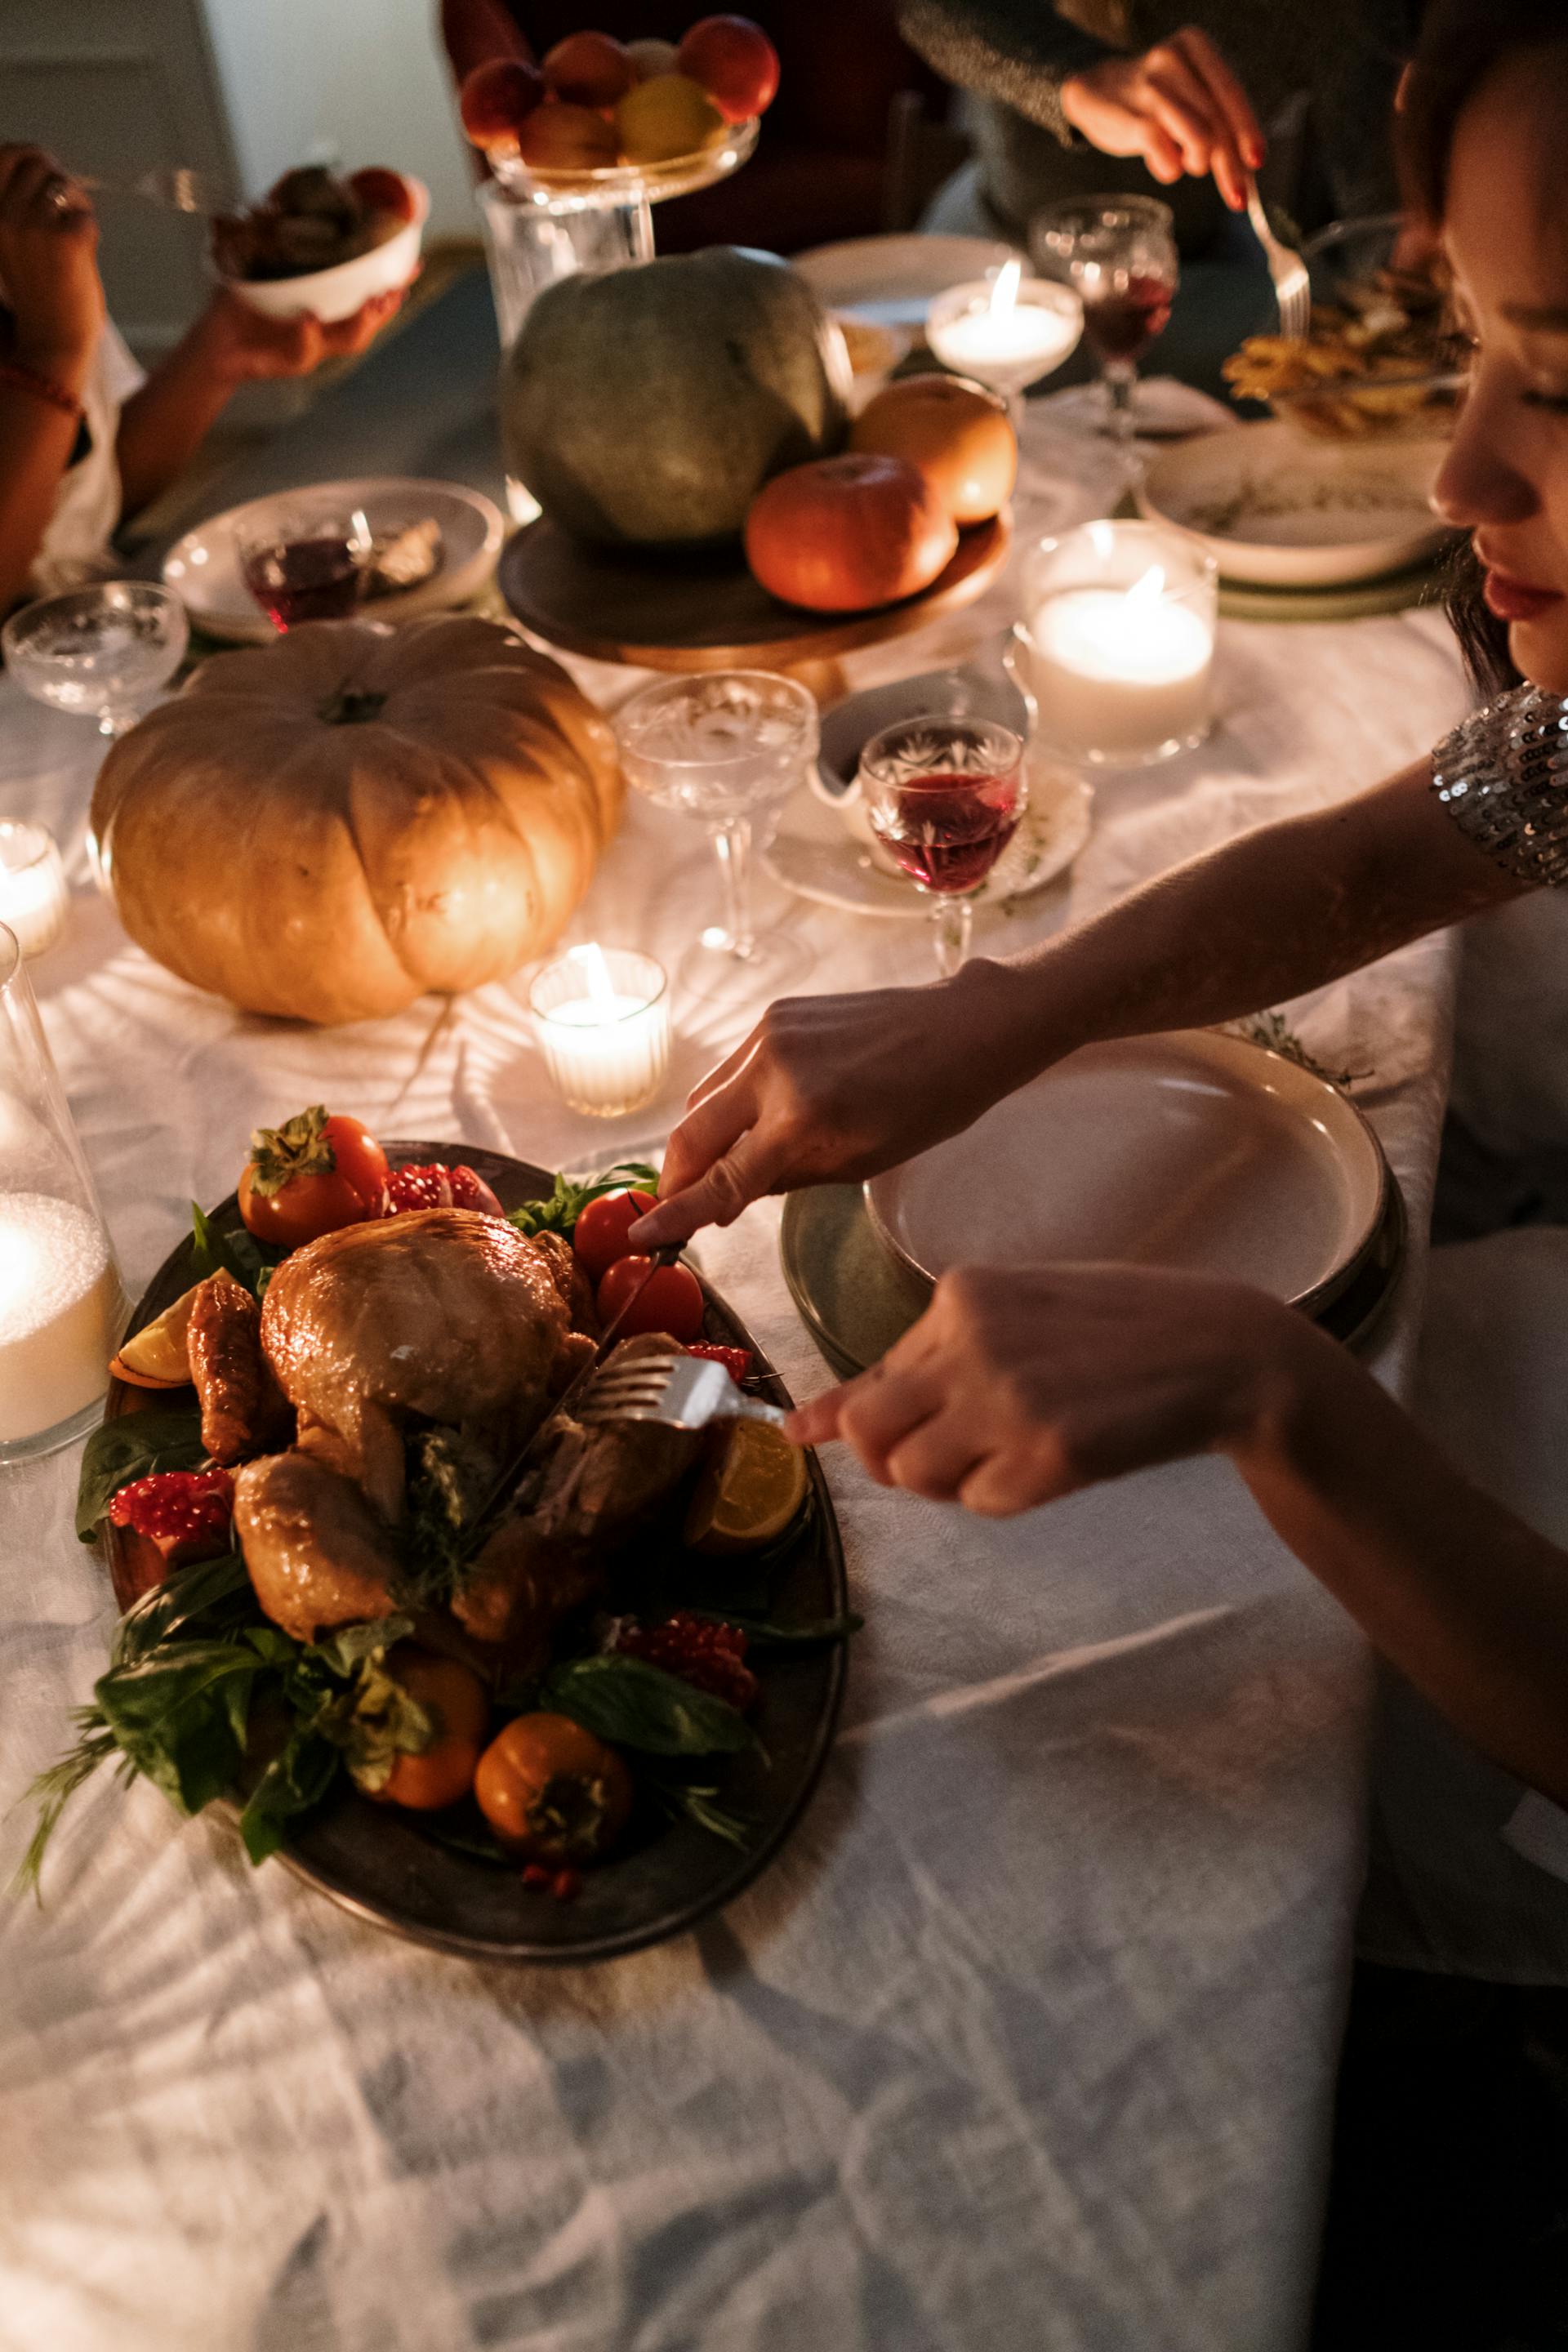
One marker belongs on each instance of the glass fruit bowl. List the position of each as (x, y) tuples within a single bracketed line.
[(626, 183)]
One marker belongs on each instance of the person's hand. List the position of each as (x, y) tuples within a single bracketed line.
[(1021, 1384), (49, 266), (245, 346), (829, 1088), (1178, 106)]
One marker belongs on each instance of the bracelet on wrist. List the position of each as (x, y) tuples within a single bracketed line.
[(42, 387)]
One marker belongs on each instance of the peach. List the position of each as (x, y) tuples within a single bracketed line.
[(588, 69), (563, 137), (666, 118), (497, 100), (735, 63)]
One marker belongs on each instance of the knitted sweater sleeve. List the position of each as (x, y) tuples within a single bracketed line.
[(1018, 51)]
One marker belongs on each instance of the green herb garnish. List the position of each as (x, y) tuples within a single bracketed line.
[(572, 1195)]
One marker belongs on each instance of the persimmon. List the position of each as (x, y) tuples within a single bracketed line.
[(552, 1791), (955, 432), (456, 1700)]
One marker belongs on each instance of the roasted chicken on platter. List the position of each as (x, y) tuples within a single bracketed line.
[(343, 1570)]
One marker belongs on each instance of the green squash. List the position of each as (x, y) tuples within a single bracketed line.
[(646, 407)]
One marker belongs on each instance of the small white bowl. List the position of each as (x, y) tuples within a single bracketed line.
[(337, 293)]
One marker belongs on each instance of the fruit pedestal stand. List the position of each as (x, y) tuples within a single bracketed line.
[(540, 226)]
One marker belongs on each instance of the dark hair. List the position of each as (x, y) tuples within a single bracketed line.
[(1461, 43)]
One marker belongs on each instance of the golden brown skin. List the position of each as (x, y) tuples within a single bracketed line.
[(444, 1312), (243, 1408), (598, 1485), (316, 1552)]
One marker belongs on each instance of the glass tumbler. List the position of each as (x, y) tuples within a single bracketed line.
[(62, 1305)]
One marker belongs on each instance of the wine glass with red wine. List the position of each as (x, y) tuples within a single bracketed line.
[(943, 796), (306, 564), (1120, 257)]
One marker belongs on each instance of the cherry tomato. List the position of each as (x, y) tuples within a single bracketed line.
[(671, 1299), (454, 1698), (599, 1237), (552, 1791), (310, 1176)]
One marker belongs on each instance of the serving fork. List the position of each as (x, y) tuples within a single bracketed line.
[(1292, 290), (682, 1391)]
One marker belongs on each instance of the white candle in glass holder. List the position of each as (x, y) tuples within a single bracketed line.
[(60, 1308), (603, 1026), (1122, 675), (1007, 331), (33, 895)]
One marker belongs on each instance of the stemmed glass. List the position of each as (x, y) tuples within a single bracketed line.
[(306, 562), (728, 748), (945, 797), (1120, 257), (100, 652)]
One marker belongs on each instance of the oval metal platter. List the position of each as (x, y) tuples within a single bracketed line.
[(382, 1867)]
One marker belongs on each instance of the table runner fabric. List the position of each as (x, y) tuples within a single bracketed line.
[(1026, 2040)]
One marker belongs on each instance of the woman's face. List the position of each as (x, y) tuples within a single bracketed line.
[(1505, 478)]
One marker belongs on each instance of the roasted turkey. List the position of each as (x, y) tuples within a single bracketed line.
[(446, 1314)]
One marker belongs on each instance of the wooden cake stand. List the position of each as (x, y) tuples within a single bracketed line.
[(706, 612)]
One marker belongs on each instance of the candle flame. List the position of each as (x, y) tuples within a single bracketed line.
[(596, 972), (1149, 590), (1004, 292)]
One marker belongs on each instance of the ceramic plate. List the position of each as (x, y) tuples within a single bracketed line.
[(1279, 511), (1194, 1150), (821, 854), (893, 280), (203, 569), (379, 1863)]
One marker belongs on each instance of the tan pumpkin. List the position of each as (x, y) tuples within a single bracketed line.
[(328, 826)]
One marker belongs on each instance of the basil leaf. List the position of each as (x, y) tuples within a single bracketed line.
[(560, 1212), (296, 1779), (251, 1262), (182, 1719), (344, 1650), (633, 1705), (184, 1595), (166, 1437), (762, 1634)]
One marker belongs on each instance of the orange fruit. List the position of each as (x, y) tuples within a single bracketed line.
[(748, 1492)]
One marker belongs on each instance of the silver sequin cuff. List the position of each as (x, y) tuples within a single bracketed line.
[(1502, 775)]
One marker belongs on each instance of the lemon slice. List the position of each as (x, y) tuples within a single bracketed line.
[(156, 1357), (748, 1492)]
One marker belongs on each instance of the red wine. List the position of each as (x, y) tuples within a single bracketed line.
[(949, 831), (304, 580), (1121, 326)]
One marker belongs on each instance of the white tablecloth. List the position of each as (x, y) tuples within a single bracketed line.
[(1027, 2041)]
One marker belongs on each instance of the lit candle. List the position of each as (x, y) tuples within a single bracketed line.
[(603, 1025), (60, 1309), (33, 896), (1007, 333), (1119, 644)]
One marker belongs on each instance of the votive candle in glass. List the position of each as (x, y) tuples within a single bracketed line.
[(603, 1026), (1007, 330), (34, 900), (62, 1307), (1118, 630)]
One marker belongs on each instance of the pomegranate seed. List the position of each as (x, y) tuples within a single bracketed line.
[(437, 1186), (709, 1656), (566, 1886), (737, 1362), (535, 1874), (187, 1513)]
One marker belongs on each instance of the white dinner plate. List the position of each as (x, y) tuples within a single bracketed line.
[(819, 854), (894, 280), (1195, 1150), (1279, 511), (203, 570)]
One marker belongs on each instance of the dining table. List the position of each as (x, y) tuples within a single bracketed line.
[(1027, 2041)]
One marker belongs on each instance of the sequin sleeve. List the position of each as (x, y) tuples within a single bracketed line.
[(1502, 775)]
